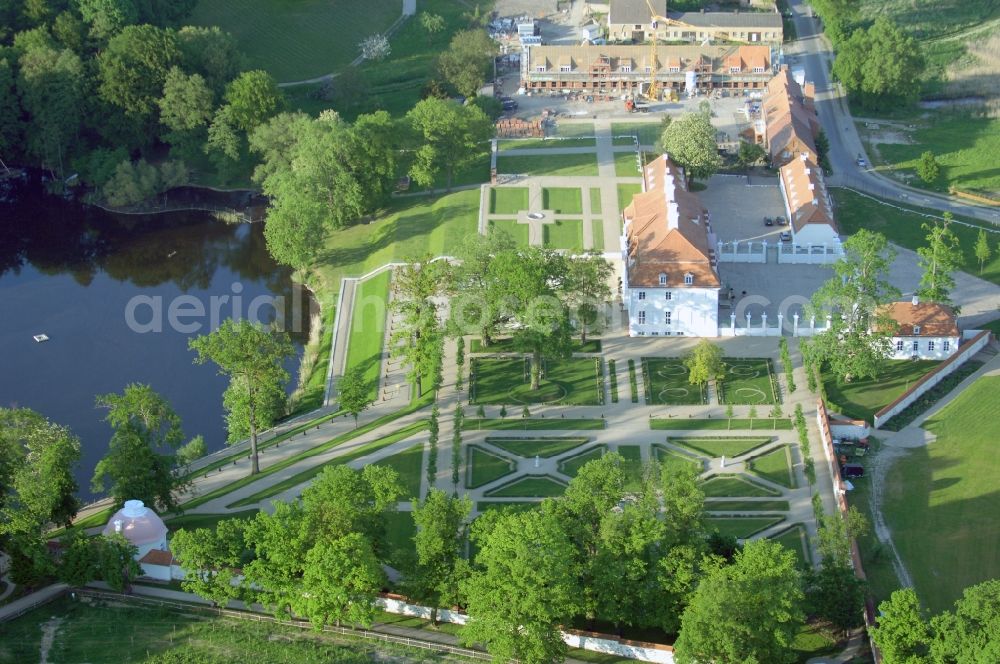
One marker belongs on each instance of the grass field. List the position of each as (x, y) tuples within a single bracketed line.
[(597, 232), (193, 521), (719, 447), (531, 424), (721, 424), (625, 193), (775, 466), (595, 200), (749, 381), (510, 226), (795, 539), (293, 41), (861, 399), (626, 165), (668, 456), (506, 345), (409, 465), (541, 486), (364, 345), (747, 506), (949, 489), (507, 144), (567, 165), (571, 381), (542, 447), (649, 132), (484, 467), (735, 486), (741, 527), (573, 464), (633, 466), (400, 529), (564, 234), (508, 200), (667, 383), (511, 505), (562, 200), (855, 212)]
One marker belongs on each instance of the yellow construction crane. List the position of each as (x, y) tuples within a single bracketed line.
[(653, 90)]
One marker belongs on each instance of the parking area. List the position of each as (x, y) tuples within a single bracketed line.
[(738, 210)]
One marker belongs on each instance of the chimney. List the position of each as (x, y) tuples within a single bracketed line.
[(673, 215), (916, 300)]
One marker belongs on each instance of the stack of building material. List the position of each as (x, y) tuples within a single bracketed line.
[(518, 128)]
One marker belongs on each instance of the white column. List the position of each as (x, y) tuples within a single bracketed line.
[(732, 322), (829, 321), (795, 324), (781, 318), (763, 322), (812, 323)]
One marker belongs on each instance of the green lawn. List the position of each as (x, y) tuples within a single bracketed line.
[(506, 345), (562, 200), (486, 506), (293, 42), (719, 447), (720, 424), (532, 424), (566, 165), (532, 447), (575, 129), (625, 193), (483, 467), (510, 226), (649, 132), (564, 234), (507, 144), (747, 506), (667, 383), (735, 486), (861, 399), (400, 529), (626, 165), (409, 465), (748, 380), (796, 540), (903, 227), (542, 486), (508, 200), (570, 381), (633, 466), (573, 464), (597, 231), (595, 200), (193, 521), (775, 466), (364, 345), (741, 527), (668, 456), (949, 490)]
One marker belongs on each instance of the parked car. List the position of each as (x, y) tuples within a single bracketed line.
[(862, 163), (852, 470), (781, 221), (768, 221), (508, 104), (786, 237)]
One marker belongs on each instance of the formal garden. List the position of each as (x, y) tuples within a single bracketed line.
[(667, 383), (565, 381), (749, 381)]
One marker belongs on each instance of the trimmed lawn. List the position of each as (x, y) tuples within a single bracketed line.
[(795, 538), (562, 200), (293, 42), (543, 486), (747, 506), (949, 489), (667, 456), (748, 381), (506, 144), (409, 465), (627, 165), (861, 399), (902, 227), (570, 381), (508, 200), (649, 132), (575, 129), (667, 383), (721, 424), (633, 466), (531, 424), (364, 345), (484, 467), (719, 447), (532, 447), (573, 464), (597, 231), (564, 234), (507, 346), (567, 165), (775, 466), (625, 193), (510, 226), (734, 486), (741, 527), (595, 200), (400, 529), (192, 521), (511, 505)]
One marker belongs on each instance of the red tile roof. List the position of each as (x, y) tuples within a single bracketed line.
[(933, 319), (158, 557)]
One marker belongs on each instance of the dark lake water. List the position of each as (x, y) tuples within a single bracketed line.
[(74, 273)]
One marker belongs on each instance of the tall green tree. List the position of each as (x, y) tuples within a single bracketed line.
[(858, 341), (748, 611), (453, 136), (902, 632), (468, 62), (107, 17), (37, 487), (253, 358), (927, 168), (474, 307), (115, 561), (691, 142), (523, 589), (140, 460), (704, 363), (191, 451), (11, 125), (939, 259), (440, 544), (134, 67), (587, 289), (881, 66), (210, 558), (254, 97), (419, 337), (211, 53), (982, 249), (970, 633), (354, 392), (340, 582), (52, 85), (187, 103)]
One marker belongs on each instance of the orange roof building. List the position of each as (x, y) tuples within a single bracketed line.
[(927, 330), (670, 269), (790, 120), (807, 204)]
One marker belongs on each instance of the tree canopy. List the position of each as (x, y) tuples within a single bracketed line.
[(880, 66), (691, 142), (452, 135), (468, 62)]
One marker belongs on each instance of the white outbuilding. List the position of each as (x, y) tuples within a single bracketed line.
[(140, 525)]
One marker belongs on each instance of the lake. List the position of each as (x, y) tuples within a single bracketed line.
[(119, 297)]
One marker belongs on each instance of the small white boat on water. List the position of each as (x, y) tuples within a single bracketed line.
[(41, 337)]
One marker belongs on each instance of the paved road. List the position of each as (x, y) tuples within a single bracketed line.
[(812, 51)]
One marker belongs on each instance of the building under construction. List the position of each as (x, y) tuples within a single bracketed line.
[(625, 69)]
